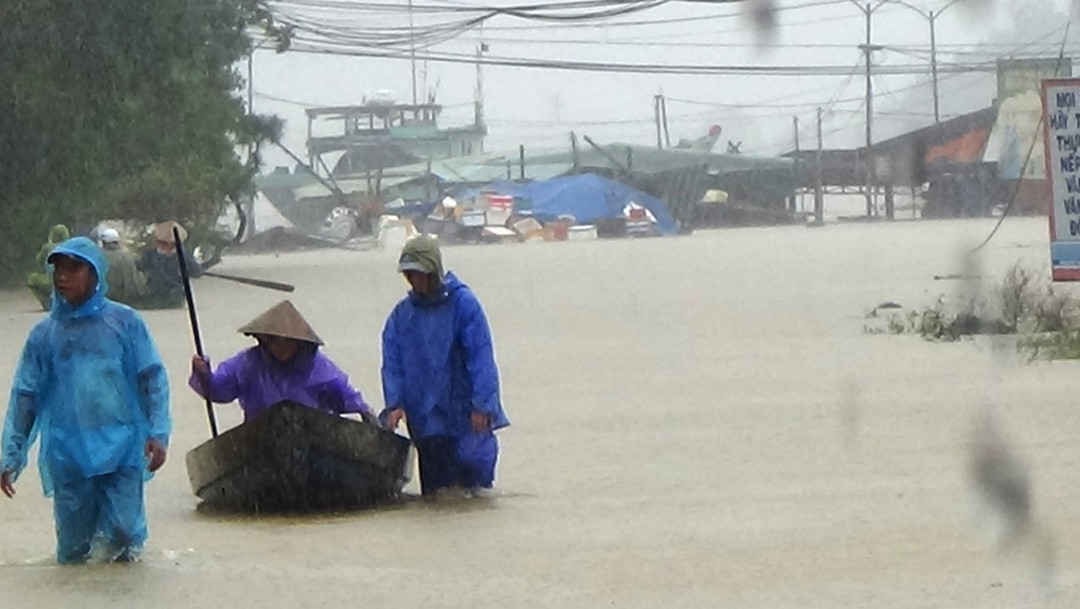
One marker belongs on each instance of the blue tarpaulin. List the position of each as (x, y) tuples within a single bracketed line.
[(586, 197)]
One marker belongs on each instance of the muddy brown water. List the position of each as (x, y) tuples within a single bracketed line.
[(698, 422)]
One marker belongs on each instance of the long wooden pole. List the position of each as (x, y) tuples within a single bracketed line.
[(261, 283), (193, 317)]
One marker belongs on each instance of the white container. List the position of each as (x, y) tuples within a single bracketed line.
[(499, 233), (639, 229), (473, 218), (528, 227), (393, 237), (497, 217), (584, 232)]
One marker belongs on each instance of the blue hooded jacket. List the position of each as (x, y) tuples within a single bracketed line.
[(90, 382), (439, 362)]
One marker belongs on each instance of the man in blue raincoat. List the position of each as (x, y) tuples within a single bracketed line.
[(91, 384), (439, 374)]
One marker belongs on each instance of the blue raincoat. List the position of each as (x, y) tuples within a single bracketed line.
[(90, 383), (439, 365)]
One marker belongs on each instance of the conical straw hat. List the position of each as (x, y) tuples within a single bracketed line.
[(282, 320)]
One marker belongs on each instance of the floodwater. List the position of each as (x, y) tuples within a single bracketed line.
[(698, 422)]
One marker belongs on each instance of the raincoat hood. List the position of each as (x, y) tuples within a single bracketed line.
[(450, 284), (421, 253), (282, 320), (88, 251), (58, 233)]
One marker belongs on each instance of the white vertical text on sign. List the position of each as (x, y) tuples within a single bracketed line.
[(1061, 109)]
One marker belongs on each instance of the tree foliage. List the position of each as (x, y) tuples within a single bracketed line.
[(123, 109)]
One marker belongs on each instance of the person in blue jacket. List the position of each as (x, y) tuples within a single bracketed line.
[(91, 385), (439, 374)]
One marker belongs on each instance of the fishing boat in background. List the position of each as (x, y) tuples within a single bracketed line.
[(352, 153)]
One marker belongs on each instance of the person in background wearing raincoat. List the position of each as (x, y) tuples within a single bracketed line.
[(39, 281), (286, 365), (439, 374), (91, 385), (164, 288), (126, 283)]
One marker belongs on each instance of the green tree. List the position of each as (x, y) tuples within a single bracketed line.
[(123, 109)]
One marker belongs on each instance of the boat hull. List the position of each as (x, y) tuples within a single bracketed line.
[(295, 458)]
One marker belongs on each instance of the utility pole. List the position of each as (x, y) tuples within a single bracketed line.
[(663, 116), (425, 91), (798, 165), (931, 17), (656, 118), (819, 194), (868, 160), (933, 67), (248, 204), (412, 54), (795, 124), (478, 112), (251, 84), (310, 152)]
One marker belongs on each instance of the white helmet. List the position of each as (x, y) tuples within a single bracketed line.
[(109, 235)]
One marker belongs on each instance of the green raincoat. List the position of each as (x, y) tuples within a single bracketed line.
[(40, 281)]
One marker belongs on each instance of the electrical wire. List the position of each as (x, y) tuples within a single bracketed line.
[(1030, 151), (308, 46), (285, 13)]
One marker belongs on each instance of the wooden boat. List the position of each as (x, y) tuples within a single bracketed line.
[(295, 458)]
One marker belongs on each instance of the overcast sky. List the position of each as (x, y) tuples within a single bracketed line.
[(538, 108)]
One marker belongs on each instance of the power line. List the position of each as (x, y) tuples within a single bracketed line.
[(457, 8), (363, 28), (630, 121), (739, 29), (741, 115), (311, 104), (783, 141), (974, 48), (316, 47), (1031, 148), (812, 104)]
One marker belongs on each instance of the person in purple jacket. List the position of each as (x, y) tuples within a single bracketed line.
[(286, 365)]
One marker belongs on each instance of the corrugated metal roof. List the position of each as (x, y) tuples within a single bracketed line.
[(648, 160), (349, 186), (488, 167), (967, 148), (936, 134)]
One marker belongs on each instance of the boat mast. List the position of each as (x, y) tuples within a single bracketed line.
[(481, 46)]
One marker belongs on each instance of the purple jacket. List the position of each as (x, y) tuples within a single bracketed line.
[(259, 381)]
